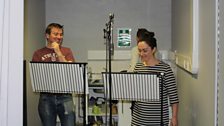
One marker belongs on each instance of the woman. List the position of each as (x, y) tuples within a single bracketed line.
[(134, 51), (149, 113)]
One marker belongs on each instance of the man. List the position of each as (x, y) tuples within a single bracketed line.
[(52, 105)]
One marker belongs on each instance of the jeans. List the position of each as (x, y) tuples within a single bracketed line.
[(51, 105)]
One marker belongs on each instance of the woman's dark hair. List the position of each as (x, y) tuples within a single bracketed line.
[(141, 32), (150, 39), (53, 25), (144, 33)]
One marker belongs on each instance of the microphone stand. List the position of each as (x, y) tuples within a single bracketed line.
[(108, 34)]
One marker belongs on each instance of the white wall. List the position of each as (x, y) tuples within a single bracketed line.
[(84, 21), (197, 92), (11, 62), (34, 23)]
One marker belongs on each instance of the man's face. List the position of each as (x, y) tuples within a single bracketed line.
[(56, 35)]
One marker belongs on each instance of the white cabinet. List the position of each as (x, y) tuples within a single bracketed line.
[(124, 113), (98, 107), (97, 64)]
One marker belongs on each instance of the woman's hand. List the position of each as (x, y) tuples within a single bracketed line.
[(173, 121)]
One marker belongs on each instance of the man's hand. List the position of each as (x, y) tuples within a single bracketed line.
[(56, 47)]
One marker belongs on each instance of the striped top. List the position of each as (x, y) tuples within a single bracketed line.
[(149, 113)]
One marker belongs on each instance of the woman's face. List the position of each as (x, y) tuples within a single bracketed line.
[(145, 51)]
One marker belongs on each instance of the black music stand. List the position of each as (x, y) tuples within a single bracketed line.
[(60, 77), (135, 87)]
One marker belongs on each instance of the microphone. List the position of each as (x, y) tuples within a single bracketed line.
[(108, 33), (111, 16)]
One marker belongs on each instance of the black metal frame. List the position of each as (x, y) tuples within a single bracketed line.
[(160, 75), (108, 34), (83, 65)]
